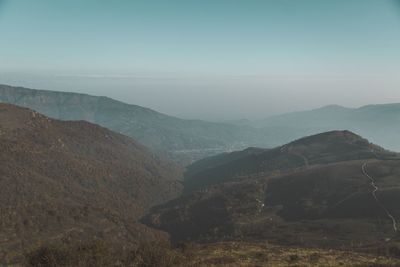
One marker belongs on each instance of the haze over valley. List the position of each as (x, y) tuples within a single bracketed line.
[(199, 133)]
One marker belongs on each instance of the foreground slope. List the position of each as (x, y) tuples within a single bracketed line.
[(243, 254), (74, 179), (230, 254), (318, 194), (181, 138)]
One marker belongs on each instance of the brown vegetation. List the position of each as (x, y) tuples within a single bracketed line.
[(217, 254), (74, 180)]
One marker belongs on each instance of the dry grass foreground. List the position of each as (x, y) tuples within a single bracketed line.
[(255, 254), (193, 255)]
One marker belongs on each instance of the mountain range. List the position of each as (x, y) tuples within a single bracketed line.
[(69, 180), (183, 140), (186, 141)]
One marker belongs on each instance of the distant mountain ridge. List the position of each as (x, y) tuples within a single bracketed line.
[(378, 123), (189, 140), (192, 138)]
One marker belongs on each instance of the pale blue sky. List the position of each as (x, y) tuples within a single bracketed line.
[(243, 58)]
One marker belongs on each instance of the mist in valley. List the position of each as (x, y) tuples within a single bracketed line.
[(199, 133)]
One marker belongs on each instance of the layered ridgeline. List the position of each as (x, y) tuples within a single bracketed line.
[(188, 139), (64, 179), (379, 123), (315, 191)]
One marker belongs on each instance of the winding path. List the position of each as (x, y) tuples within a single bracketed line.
[(376, 188)]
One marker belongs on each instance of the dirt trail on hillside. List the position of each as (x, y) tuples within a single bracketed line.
[(376, 188)]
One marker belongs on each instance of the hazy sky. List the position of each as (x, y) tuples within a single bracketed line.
[(210, 59)]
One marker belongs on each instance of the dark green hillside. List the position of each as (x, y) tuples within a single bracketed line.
[(327, 205), (317, 192)]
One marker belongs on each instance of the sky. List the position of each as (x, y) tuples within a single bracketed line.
[(207, 59)]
